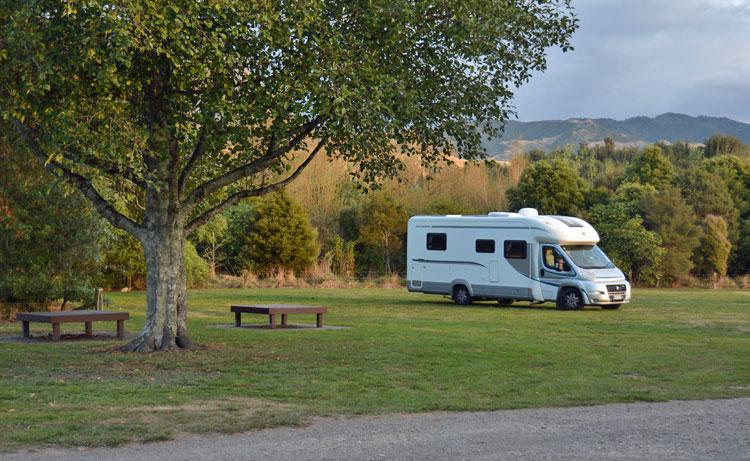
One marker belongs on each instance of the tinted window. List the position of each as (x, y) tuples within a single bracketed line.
[(438, 242), (515, 249), (485, 246)]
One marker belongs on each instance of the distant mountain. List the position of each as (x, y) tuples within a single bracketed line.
[(551, 134)]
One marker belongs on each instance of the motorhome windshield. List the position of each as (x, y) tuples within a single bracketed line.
[(588, 256)]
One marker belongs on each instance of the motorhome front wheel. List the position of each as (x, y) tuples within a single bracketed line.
[(570, 299)]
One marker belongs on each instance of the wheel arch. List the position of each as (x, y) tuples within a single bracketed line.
[(578, 286), (463, 282)]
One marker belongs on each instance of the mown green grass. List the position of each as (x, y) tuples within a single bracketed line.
[(403, 353)]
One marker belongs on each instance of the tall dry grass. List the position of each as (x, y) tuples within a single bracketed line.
[(325, 188)]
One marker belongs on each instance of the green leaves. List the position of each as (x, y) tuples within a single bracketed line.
[(551, 186), (132, 84)]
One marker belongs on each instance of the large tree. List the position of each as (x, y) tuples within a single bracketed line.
[(552, 186), (651, 167), (666, 213), (195, 105)]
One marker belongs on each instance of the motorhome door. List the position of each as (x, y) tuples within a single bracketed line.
[(417, 273), (554, 269)]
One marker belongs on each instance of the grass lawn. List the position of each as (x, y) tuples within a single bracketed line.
[(403, 353)]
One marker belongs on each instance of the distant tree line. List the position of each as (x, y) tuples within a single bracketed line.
[(665, 213)]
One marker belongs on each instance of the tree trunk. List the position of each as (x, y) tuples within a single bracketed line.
[(166, 290)]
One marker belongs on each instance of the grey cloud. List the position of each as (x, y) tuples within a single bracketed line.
[(644, 57)]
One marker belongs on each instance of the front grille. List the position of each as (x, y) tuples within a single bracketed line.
[(616, 288)]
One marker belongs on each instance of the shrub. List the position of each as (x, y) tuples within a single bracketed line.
[(282, 239)]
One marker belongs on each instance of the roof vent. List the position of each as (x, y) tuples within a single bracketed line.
[(528, 212), (498, 214), (453, 216)]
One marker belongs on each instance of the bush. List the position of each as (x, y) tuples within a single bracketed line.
[(633, 248), (341, 257), (197, 269), (712, 254), (382, 232), (48, 235), (282, 238)]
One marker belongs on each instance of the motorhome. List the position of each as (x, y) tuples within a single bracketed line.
[(513, 257)]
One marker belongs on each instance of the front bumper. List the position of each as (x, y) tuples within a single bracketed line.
[(600, 293)]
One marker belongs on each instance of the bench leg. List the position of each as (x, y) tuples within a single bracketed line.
[(238, 319), (89, 329), (283, 320), (319, 318), (121, 328), (25, 328), (273, 320), (55, 332)]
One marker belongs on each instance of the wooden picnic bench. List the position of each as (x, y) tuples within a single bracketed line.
[(88, 317), (272, 309)]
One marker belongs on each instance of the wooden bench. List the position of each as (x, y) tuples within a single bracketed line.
[(272, 309), (87, 317)]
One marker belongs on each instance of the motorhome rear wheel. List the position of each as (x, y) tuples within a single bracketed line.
[(461, 295)]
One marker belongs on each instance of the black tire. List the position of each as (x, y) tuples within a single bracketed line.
[(505, 301), (461, 295), (569, 299), (611, 306)]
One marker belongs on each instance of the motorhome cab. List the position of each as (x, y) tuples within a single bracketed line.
[(512, 257)]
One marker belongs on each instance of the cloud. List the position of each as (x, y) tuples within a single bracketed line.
[(646, 57)]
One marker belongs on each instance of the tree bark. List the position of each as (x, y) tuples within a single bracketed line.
[(166, 285), (166, 294)]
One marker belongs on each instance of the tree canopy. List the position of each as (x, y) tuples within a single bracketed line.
[(651, 167), (189, 106), (552, 186)]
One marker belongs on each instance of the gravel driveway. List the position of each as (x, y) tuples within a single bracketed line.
[(683, 430)]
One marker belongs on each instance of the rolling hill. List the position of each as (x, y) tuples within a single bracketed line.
[(551, 134)]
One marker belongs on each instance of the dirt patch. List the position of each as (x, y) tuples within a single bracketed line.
[(231, 415), (291, 326), (242, 404), (47, 338)]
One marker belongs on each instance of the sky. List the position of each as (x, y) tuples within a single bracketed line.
[(647, 57)]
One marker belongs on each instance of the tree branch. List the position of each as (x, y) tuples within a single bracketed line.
[(83, 184), (195, 157), (109, 168), (237, 196), (248, 169)]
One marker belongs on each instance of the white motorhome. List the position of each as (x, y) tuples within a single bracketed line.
[(511, 257)]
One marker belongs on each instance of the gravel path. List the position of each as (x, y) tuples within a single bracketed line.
[(680, 430)]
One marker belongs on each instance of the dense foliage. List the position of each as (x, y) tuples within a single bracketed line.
[(48, 236), (282, 239), (665, 212)]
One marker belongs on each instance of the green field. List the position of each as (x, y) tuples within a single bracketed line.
[(402, 353)]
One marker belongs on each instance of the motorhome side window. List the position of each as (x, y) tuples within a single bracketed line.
[(554, 260), (515, 249), (485, 246), (437, 242)]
